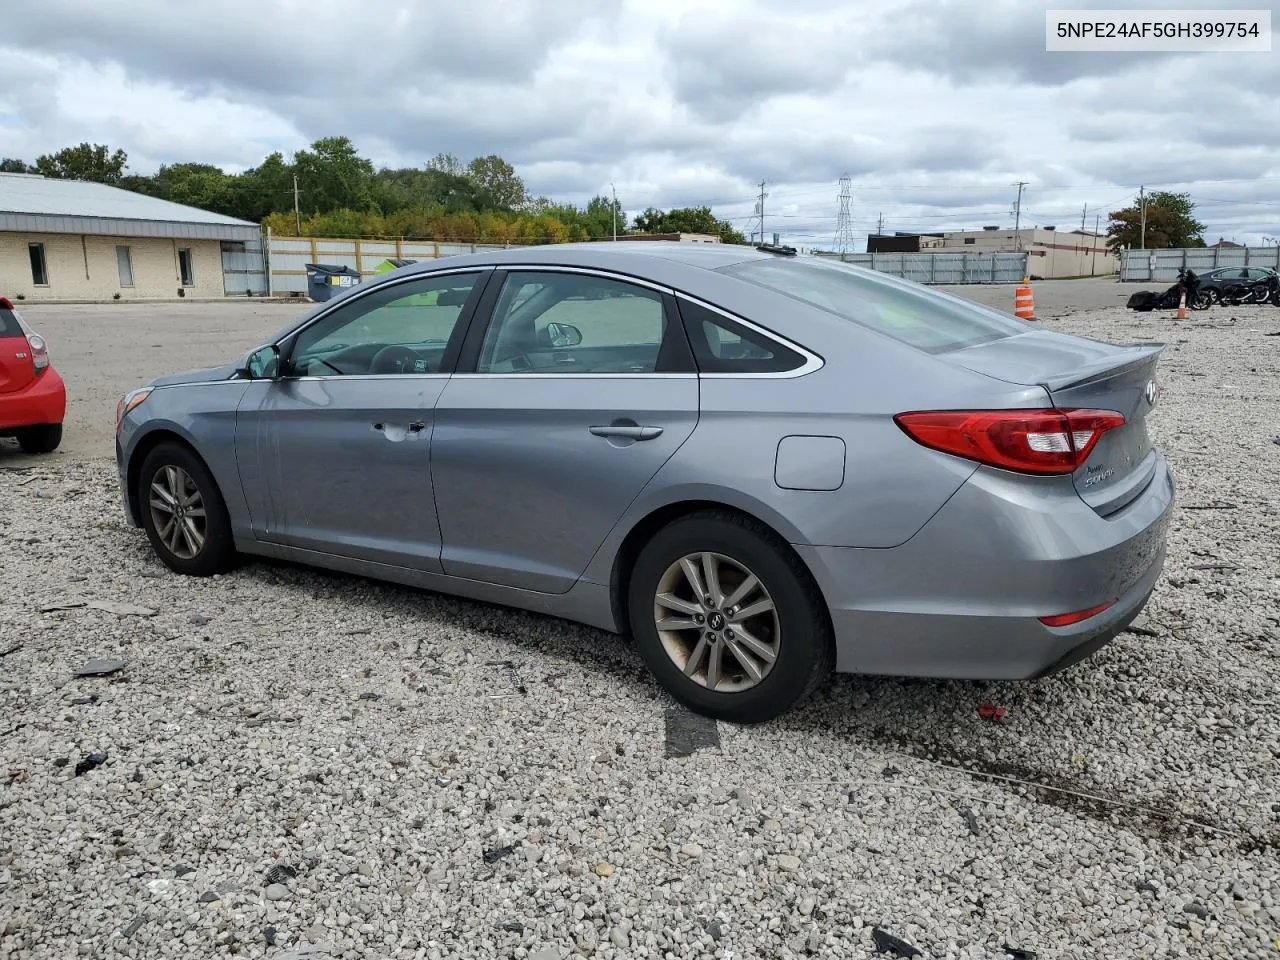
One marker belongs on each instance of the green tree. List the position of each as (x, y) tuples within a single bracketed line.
[(86, 161), (447, 163), (14, 165), (198, 185), (600, 217), (264, 189), (687, 220), (498, 180), (332, 175), (1171, 222)]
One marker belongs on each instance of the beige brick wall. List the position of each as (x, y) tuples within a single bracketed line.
[(86, 268)]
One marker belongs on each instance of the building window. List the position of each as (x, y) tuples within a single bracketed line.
[(970, 240), (39, 271), (186, 268), (125, 265)]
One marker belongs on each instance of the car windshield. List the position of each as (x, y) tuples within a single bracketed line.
[(928, 320)]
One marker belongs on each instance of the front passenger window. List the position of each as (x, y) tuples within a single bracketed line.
[(401, 328)]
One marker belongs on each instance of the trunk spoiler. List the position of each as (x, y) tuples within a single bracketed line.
[(1104, 368)]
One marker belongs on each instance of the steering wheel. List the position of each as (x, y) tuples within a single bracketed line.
[(394, 359)]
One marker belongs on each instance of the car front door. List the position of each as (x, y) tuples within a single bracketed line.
[(334, 454), (564, 406)]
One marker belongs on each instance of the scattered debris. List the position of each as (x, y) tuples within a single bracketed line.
[(493, 856), (359, 632), (369, 696), (198, 620), (63, 605), (1197, 910), (604, 869), (182, 870), (85, 701), (1139, 628), (1017, 953), (788, 863), (1216, 505), (134, 926), (277, 891), (687, 732), (13, 649), (513, 673), (889, 772), (512, 926), (269, 935), (96, 759), (100, 667), (61, 762), (989, 711), (716, 929), (970, 819), (121, 609), (279, 874), (888, 943), (208, 897), (1145, 886), (1226, 567)]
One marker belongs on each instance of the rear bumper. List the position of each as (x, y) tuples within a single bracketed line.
[(44, 400), (962, 598)]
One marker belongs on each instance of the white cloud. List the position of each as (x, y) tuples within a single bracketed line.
[(934, 107)]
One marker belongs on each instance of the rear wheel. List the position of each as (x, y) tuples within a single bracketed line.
[(183, 512), (1202, 301), (43, 438), (728, 619)]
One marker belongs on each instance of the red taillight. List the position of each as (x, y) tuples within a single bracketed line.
[(6, 303), (1043, 442), (1067, 619)]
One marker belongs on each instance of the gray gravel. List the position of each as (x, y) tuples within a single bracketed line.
[(300, 764)]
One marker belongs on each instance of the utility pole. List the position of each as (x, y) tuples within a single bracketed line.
[(1083, 213), (297, 215), (1096, 217), (844, 222), (1017, 214), (1142, 201), (614, 210), (761, 210), (880, 226)]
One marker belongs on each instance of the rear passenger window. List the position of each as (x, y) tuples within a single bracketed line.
[(9, 326), (721, 345)]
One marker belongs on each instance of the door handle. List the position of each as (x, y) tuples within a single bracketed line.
[(417, 426), (628, 433)]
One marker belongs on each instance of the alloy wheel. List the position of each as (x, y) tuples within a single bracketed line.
[(177, 511), (717, 622)]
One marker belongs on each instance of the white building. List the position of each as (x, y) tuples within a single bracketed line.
[(73, 240)]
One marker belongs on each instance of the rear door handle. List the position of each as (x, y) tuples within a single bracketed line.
[(629, 433)]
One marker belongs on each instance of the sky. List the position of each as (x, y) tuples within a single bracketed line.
[(933, 108)]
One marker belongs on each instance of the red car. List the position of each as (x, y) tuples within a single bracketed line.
[(33, 399)]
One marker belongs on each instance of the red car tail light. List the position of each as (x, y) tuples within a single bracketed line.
[(39, 351), (1046, 442), (1067, 619)]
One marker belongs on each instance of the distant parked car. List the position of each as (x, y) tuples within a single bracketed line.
[(762, 466), (33, 399), (1215, 281)]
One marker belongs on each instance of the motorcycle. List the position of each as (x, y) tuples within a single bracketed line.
[(1188, 283), (1266, 290)]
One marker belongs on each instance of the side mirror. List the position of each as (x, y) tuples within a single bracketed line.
[(563, 335), (262, 364)]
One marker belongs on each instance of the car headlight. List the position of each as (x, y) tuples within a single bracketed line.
[(128, 402)]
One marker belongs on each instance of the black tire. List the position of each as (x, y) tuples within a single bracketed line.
[(805, 646), (217, 554), (43, 438), (1202, 301)]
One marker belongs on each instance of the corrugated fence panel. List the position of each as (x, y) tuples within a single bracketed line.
[(243, 272), (1136, 265), (945, 267)]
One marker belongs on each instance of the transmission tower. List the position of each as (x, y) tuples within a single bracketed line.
[(844, 222)]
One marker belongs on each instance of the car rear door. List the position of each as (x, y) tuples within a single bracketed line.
[(17, 369), (564, 406)]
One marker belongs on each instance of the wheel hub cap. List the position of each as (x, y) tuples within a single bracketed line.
[(717, 622)]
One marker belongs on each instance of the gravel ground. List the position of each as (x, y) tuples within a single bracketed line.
[(293, 763)]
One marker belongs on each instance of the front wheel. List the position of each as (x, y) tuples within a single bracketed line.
[(183, 512), (728, 619), (44, 438), (1202, 301)]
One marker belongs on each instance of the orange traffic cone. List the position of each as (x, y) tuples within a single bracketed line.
[(1024, 304), (1182, 306)]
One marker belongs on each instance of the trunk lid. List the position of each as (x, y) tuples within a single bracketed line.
[(1086, 374), (17, 369)]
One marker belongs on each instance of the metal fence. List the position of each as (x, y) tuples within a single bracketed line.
[(244, 268), (1137, 265), (288, 256), (945, 267)]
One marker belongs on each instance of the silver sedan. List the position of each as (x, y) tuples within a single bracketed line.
[(762, 466)]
